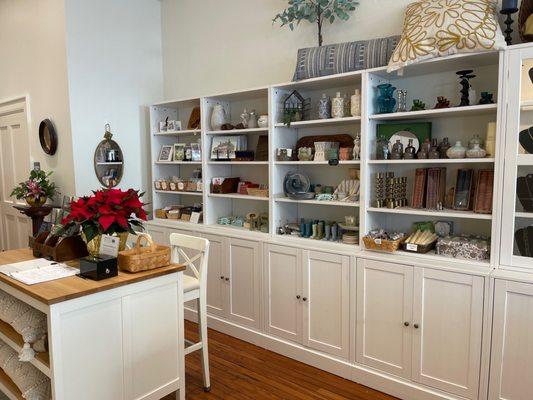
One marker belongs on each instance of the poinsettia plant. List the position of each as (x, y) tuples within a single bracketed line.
[(107, 211)]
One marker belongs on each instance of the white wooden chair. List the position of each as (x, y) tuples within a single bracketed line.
[(195, 287)]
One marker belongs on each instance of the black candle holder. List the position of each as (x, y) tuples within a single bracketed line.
[(509, 22), (465, 77)]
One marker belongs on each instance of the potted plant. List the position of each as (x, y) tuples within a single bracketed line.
[(107, 212), (36, 190), (315, 11)]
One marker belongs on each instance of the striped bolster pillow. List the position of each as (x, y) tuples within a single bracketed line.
[(344, 57)]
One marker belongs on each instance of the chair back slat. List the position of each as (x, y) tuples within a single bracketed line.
[(196, 263)]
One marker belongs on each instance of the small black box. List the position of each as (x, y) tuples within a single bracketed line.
[(98, 268)]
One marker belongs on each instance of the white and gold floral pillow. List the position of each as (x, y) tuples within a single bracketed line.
[(434, 28)]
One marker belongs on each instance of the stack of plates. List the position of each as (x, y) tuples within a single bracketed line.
[(350, 238)]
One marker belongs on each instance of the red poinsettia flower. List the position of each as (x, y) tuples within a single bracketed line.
[(107, 211)]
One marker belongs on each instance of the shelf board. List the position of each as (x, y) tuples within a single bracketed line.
[(178, 162), (282, 199), (237, 162), (238, 196), (524, 159), (13, 339), (528, 215), (8, 387), (237, 131), (348, 162), (435, 161), (429, 258), (179, 133), (431, 213), (178, 193), (437, 113), (317, 244), (239, 229), (526, 105), (176, 222), (320, 122), (110, 163)]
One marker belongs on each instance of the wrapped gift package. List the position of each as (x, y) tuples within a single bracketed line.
[(469, 247)]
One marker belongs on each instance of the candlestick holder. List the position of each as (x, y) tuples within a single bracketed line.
[(508, 22)]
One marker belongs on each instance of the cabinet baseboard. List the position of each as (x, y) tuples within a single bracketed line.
[(355, 372)]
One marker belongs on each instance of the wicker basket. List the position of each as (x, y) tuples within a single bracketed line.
[(144, 258), (381, 244), (257, 192)]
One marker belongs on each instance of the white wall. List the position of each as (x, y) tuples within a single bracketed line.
[(212, 46), (114, 71), (33, 63)]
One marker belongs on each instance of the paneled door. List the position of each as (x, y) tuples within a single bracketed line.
[(244, 280), (512, 349), (326, 300), (14, 167), (447, 330), (216, 274), (283, 292), (384, 316)]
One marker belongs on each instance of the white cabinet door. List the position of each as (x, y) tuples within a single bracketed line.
[(150, 330), (447, 330), (216, 274), (159, 234), (511, 372), (384, 308), (244, 269), (326, 299), (283, 292)]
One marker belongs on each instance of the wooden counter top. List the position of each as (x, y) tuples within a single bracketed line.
[(73, 287)]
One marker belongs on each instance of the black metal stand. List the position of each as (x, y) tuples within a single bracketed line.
[(509, 22)]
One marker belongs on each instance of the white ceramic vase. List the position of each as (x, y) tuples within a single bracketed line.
[(337, 106), (218, 117), (456, 151), (476, 152), (262, 122), (356, 103)]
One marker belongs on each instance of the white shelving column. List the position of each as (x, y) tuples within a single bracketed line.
[(426, 81), (319, 172), (179, 110), (256, 171)]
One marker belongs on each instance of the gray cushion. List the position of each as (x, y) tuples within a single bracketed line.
[(333, 59)]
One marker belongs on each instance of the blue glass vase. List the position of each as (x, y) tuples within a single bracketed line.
[(386, 100)]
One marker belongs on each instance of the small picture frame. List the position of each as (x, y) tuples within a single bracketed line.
[(174, 126), (165, 154), (196, 152), (179, 151), (195, 217)]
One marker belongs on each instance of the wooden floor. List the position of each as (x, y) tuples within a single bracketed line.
[(240, 370)]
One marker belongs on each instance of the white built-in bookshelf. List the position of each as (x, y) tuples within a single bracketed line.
[(424, 81)]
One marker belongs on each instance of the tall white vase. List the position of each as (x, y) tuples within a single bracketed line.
[(218, 117)]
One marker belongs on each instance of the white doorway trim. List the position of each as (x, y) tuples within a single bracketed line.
[(15, 162)]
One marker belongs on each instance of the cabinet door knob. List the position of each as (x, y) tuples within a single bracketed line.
[(406, 323), (222, 277), (298, 297), (304, 299), (227, 279), (416, 326)]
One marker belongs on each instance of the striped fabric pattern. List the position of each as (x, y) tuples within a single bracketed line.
[(344, 57)]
